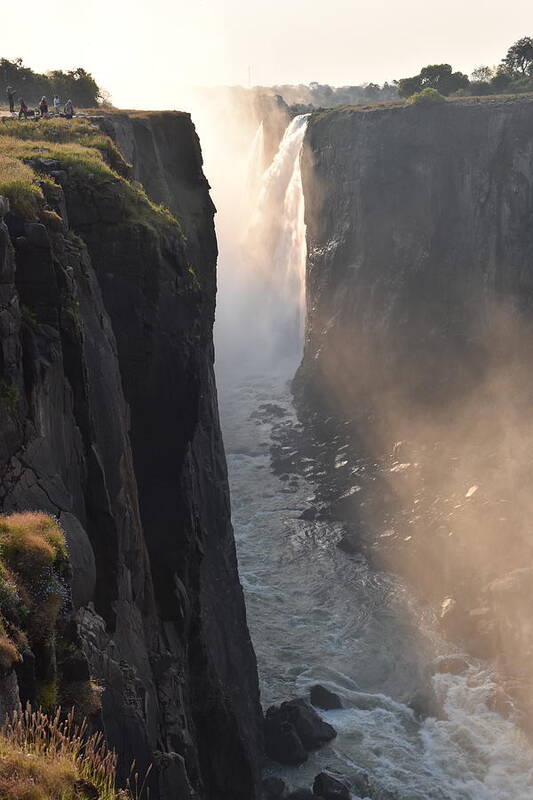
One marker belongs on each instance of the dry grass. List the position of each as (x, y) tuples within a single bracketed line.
[(32, 555), (62, 131), (46, 757), (86, 163), (18, 184), (31, 537)]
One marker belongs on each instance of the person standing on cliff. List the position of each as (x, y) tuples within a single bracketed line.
[(57, 105), (11, 98), (43, 107), (68, 109)]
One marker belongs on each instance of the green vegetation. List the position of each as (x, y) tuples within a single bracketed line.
[(63, 131), (519, 57), (9, 396), (77, 84), (89, 157), (439, 77), (18, 183), (46, 757), (514, 75), (427, 97), (33, 557)]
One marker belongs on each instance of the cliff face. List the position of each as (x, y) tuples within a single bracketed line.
[(418, 223), (419, 333), (111, 423)]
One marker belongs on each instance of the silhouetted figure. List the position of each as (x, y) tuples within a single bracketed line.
[(23, 112), (43, 107), (68, 109), (11, 98)]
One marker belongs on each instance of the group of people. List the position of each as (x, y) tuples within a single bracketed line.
[(43, 110)]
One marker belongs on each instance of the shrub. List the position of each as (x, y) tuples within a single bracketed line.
[(427, 97), (18, 183), (32, 556), (51, 758), (31, 540)]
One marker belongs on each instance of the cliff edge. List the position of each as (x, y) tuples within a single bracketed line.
[(110, 424)]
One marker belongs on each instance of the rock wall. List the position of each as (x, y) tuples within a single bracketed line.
[(418, 223), (110, 422), (417, 355)]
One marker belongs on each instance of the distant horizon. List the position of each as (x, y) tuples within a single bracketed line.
[(149, 61)]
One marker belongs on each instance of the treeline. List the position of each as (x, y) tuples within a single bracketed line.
[(513, 75), (321, 95), (77, 84)]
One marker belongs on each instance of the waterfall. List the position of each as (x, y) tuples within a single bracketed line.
[(256, 163), (275, 245)]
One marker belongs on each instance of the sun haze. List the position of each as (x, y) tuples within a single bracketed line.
[(143, 54)]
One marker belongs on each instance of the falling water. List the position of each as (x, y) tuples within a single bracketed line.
[(315, 613), (255, 165), (277, 251)]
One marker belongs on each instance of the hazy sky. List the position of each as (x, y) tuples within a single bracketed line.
[(142, 52)]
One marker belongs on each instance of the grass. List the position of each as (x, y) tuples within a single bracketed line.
[(62, 131), (44, 757), (89, 157), (18, 183), (402, 103), (31, 539), (33, 554)]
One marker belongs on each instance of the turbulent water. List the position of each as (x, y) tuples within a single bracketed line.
[(317, 614)]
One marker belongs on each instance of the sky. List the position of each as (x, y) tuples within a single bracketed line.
[(145, 51)]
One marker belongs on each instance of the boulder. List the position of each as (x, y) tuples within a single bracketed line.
[(274, 788), (425, 704), (292, 729), (323, 698), (309, 725), (282, 743), (361, 784), (331, 786)]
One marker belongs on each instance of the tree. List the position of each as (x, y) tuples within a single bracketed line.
[(435, 76), (482, 74), (519, 57)]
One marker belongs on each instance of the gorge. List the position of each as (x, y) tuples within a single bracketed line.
[(372, 337), (374, 552)]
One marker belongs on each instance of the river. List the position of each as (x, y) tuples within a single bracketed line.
[(317, 614)]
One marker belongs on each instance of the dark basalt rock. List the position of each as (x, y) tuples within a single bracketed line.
[(274, 788), (111, 424), (331, 786), (304, 794), (425, 704), (324, 698), (294, 728), (282, 743)]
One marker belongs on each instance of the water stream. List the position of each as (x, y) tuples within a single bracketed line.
[(317, 614)]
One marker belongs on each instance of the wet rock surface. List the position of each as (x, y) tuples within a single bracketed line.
[(324, 698), (331, 786), (293, 729), (110, 422)]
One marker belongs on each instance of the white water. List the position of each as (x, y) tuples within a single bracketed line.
[(319, 615), (256, 157)]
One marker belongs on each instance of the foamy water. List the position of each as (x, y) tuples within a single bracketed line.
[(317, 614)]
